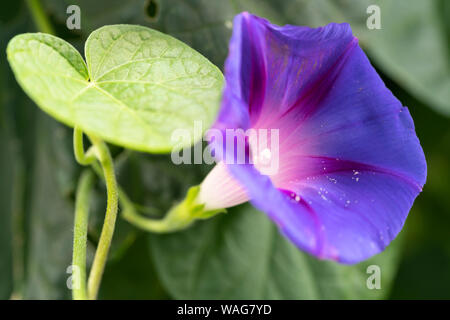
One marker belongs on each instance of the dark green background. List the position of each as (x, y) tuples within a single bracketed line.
[(239, 254)]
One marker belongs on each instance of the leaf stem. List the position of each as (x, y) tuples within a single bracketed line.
[(39, 16), (130, 214), (98, 266), (78, 149), (83, 196), (179, 217)]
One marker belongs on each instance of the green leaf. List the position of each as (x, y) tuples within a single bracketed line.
[(138, 87), (241, 255), (411, 49)]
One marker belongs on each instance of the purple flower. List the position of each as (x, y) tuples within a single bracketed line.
[(350, 163)]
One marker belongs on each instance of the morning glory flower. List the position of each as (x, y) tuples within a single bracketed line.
[(350, 163)]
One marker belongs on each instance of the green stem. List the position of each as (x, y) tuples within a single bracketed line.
[(78, 149), (179, 217), (130, 214), (84, 189), (39, 16), (98, 266)]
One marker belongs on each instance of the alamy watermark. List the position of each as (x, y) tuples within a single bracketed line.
[(74, 280), (259, 147), (74, 19), (374, 280), (374, 19)]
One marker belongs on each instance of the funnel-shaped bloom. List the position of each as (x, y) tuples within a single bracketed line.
[(350, 163)]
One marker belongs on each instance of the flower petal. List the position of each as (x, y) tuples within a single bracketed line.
[(221, 190), (350, 162), (269, 69), (357, 214), (357, 120)]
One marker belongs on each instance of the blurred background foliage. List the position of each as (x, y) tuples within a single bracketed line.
[(239, 254)]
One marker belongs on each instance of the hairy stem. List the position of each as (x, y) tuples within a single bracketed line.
[(83, 196), (39, 16), (103, 155)]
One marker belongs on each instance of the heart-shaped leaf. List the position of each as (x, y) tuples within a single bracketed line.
[(138, 87)]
